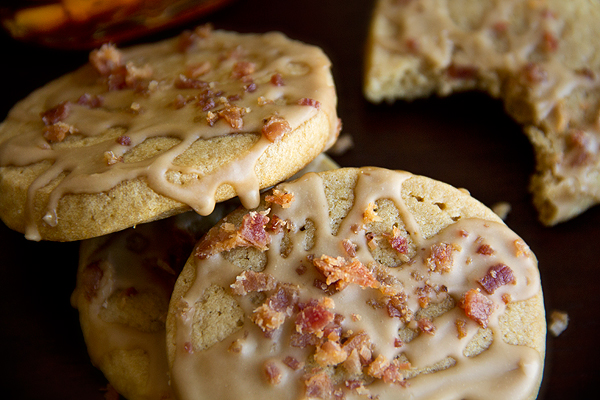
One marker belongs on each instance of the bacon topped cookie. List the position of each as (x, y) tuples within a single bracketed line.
[(359, 283), (142, 133), (540, 58)]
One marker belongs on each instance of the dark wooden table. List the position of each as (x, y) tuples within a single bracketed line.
[(465, 140)]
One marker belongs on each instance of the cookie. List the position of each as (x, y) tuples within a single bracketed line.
[(123, 287), (540, 58), (358, 283), (146, 132)]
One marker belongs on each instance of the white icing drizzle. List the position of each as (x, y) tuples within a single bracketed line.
[(500, 372), (83, 168)]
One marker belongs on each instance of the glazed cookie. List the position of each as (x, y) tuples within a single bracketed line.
[(124, 284), (150, 131), (359, 283), (540, 58)]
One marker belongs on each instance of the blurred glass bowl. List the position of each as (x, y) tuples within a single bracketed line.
[(85, 24)]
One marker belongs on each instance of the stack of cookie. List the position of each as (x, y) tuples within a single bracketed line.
[(349, 283)]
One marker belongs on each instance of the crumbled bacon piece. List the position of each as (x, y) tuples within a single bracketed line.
[(477, 306), (272, 313), (90, 101), (486, 250), (309, 102), (272, 372), (106, 59), (441, 258), (275, 127), (522, 249), (361, 344), (198, 69), (330, 353), (319, 386), (267, 319), (188, 347), (251, 233), (388, 371), (314, 316), (231, 114), (280, 198), (90, 279), (242, 69), (250, 281), (461, 328), (349, 247), (276, 224), (397, 307), (58, 132), (111, 158), (370, 214), (293, 363), (342, 272), (426, 325), (277, 79), (497, 275), (462, 71), (124, 140), (56, 114), (533, 73), (397, 241), (549, 42)]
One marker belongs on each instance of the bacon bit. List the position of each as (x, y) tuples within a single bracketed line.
[(441, 258), (370, 214), (355, 385), (251, 233), (497, 275), (276, 225), (58, 132), (111, 158), (272, 372), (293, 363), (486, 250), (277, 79), (426, 325), (330, 353), (309, 102), (461, 328), (522, 249), (302, 340), (463, 233), (349, 247), (506, 298), (371, 241), (250, 87), (301, 270), (319, 386), (398, 242), (236, 347), (341, 272), (90, 101), (477, 306), (188, 347), (124, 140), (378, 367), (275, 127), (549, 42), (398, 343), (56, 114), (267, 319), (183, 82), (242, 69), (500, 27), (413, 45), (397, 307), (280, 198), (313, 317), (462, 71), (106, 60), (198, 69), (90, 279), (231, 114), (533, 73), (362, 345), (250, 281), (587, 73)]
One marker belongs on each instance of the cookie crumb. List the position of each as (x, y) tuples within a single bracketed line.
[(502, 209), (559, 320)]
